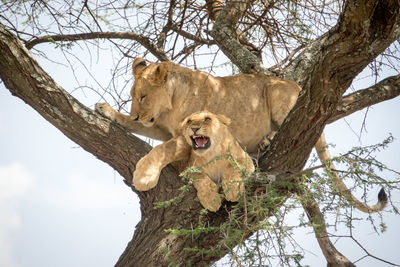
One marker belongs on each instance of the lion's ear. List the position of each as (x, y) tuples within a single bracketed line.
[(223, 119), (161, 72), (182, 125), (138, 66)]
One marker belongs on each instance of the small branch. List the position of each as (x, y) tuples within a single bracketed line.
[(85, 5), (144, 41), (192, 37), (167, 27), (368, 254)]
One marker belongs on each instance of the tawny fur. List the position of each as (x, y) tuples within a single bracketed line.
[(165, 93), (221, 171)]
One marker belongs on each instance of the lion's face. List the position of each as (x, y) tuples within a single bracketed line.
[(204, 131), (149, 95)]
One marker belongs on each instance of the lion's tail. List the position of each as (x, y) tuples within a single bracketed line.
[(324, 156)]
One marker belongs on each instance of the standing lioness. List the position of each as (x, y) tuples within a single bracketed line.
[(165, 93)]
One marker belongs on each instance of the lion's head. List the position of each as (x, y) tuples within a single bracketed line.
[(204, 130), (149, 93)]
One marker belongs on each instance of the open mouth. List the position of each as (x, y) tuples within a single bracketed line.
[(200, 142)]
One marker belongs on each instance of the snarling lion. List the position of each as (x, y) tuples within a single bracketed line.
[(216, 151), (165, 93)]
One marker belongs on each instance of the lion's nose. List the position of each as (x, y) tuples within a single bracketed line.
[(195, 130)]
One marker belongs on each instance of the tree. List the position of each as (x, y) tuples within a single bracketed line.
[(323, 47)]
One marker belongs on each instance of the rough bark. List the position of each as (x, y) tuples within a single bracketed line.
[(225, 34), (324, 69), (384, 90)]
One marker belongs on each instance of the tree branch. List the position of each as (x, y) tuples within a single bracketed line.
[(167, 26), (225, 34), (25, 79), (386, 89), (333, 257), (364, 30), (144, 41), (195, 38)]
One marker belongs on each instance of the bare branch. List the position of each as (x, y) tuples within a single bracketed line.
[(167, 27), (192, 37), (333, 257), (144, 41)]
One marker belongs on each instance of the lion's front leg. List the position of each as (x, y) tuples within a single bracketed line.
[(130, 123), (207, 191), (147, 173), (232, 184), (149, 167), (107, 111)]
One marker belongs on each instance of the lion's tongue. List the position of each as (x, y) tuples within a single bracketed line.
[(201, 141)]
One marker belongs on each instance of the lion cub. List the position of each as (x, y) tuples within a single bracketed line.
[(209, 137)]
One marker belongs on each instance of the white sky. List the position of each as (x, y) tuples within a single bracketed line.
[(61, 206)]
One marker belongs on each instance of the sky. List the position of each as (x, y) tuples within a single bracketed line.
[(58, 203), (61, 206)]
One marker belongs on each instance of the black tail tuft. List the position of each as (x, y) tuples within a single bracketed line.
[(382, 197)]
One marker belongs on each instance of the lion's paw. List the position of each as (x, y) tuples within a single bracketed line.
[(212, 202), (105, 110), (266, 141), (146, 179), (232, 195), (232, 190)]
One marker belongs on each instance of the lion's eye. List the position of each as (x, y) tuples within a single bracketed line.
[(142, 98), (189, 121), (207, 119)]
